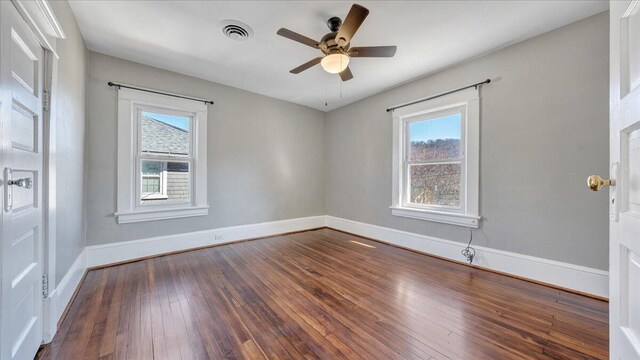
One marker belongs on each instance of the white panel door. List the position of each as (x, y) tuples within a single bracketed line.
[(21, 82), (624, 259)]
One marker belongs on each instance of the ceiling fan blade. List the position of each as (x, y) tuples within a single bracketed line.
[(373, 51), (346, 74), (306, 65), (354, 19), (297, 37)]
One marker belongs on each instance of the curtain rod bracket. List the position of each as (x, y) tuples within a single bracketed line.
[(120, 86)]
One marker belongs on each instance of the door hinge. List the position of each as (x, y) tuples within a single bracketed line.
[(45, 286), (46, 101)]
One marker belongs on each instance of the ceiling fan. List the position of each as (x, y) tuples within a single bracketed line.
[(335, 45)]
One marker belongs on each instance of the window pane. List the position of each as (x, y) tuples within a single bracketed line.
[(178, 166), (151, 167), (165, 182), (150, 184), (437, 138), (178, 181), (165, 134), (437, 184)]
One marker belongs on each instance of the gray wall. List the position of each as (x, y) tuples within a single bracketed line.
[(70, 141), (266, 156), (544, 129)]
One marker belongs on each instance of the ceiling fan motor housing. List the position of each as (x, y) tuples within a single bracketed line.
[(328, 42), (334, 24)]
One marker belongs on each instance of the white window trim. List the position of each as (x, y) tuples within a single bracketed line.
[(468, 214), (129, 208)]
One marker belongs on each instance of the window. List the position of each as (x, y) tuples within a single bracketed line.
[(164, 154), (161, 157), (436, 160)]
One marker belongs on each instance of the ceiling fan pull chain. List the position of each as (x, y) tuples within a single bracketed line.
[(326, 99)]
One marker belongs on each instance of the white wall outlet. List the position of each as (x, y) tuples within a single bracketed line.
[(218, 237)]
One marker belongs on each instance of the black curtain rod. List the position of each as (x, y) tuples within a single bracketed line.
[(439, 95), (159, 92)]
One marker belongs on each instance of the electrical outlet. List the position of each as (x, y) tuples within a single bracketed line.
[(218, 237)]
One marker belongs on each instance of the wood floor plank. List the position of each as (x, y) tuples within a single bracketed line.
[(537, 339), (305, 338), (315, 322), (447, 336), (51, 350), (322, 294), (108, 341), (364, 315), (79, 334)]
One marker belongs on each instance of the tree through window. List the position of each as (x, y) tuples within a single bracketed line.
[(433, 166)]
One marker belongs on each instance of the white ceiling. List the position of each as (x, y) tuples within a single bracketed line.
[(184, 36)]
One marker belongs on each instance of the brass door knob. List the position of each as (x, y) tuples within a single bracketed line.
[(595, 182)]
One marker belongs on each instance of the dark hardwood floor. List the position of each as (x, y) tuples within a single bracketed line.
[(322, 294)]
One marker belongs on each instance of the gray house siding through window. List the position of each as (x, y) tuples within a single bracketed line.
[(161, 138)]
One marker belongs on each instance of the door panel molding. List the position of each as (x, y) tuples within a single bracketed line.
[(37, 18)]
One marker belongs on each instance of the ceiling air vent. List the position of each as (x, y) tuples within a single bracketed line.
[(236, 30)]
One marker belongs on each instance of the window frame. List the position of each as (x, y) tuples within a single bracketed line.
[(130, 207), (467, 104)]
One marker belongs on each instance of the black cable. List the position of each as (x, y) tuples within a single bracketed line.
[(469, 252)]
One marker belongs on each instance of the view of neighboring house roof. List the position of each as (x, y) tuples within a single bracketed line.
[(160, 137)]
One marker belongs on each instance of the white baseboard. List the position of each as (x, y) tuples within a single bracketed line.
[(575, 277), (59, 298), (98, 255), (579, 278)]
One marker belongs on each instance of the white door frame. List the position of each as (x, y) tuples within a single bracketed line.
[(45, 25)]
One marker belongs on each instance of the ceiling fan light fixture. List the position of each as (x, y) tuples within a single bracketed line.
[(335, 63), (335, 46)]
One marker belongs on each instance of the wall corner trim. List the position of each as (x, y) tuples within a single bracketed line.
[(58, 300), (575, 277)]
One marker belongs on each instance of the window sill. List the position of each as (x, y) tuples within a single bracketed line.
[(154, 197), (437, 216), (160, 214)]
